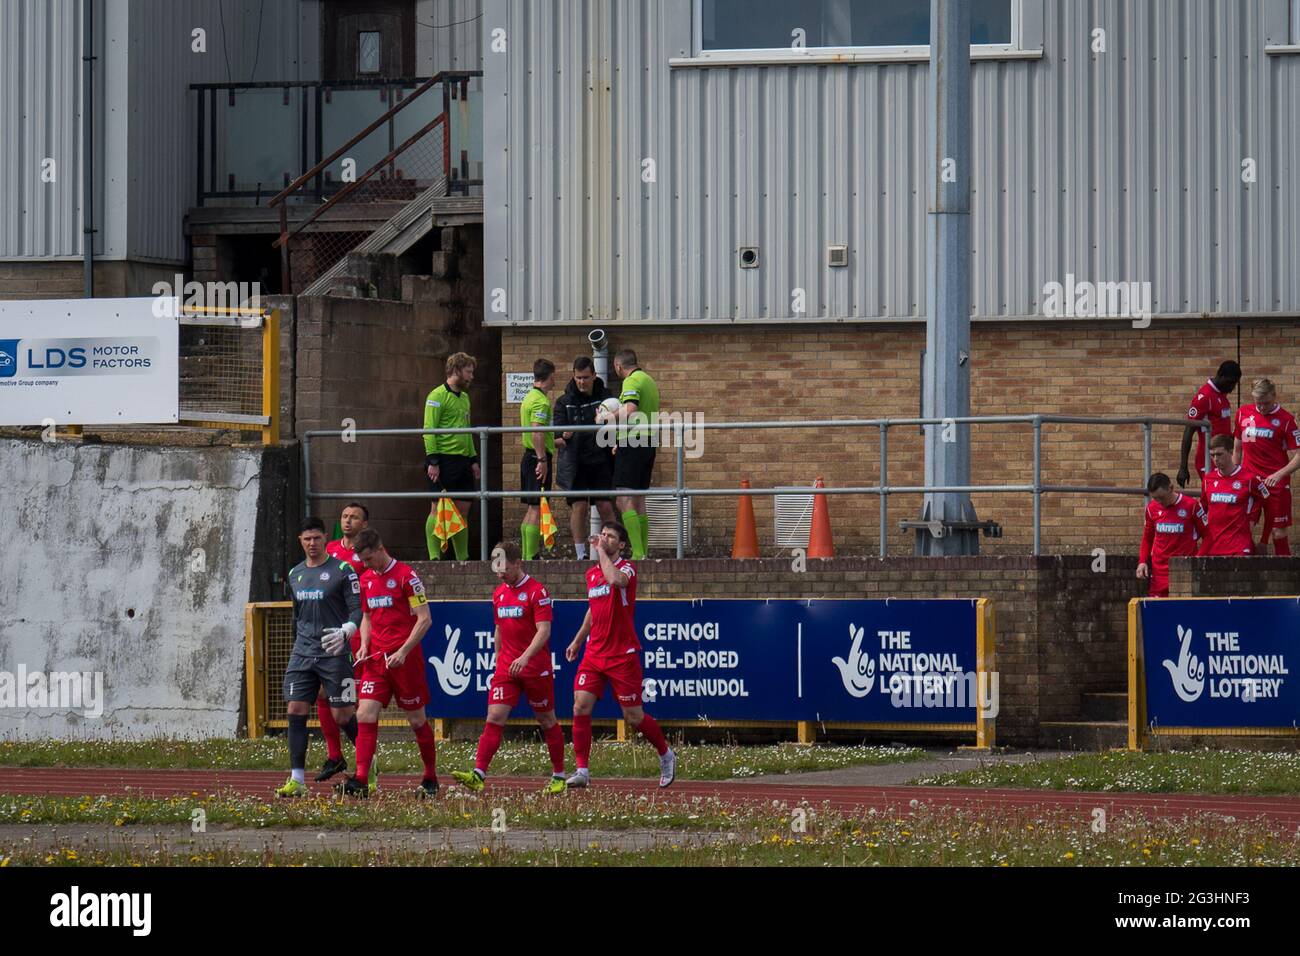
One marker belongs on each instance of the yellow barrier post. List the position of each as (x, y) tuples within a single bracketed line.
[(622, 731), (1136, 690), (805, 732), (253, 670), (271, 378), (987, 689)]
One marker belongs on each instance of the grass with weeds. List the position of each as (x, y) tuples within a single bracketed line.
[(927, 837), (1196, 771), (398, 754)]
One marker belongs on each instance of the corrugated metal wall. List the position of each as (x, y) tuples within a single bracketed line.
[(448, 35), (40, 118), (1122, 166)]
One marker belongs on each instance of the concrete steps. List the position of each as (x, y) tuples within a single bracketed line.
[(1083, 734)]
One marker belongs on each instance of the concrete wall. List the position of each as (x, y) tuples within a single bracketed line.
[(102, 574), (845, 371)]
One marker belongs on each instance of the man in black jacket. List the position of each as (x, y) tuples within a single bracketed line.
[(584, 464)]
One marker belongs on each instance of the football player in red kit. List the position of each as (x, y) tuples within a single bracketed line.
[(1230, 496), (521, 611), (612, 655), (354, 520), (1211, 404), (391, 662), (1268, 446), (1173, 524)]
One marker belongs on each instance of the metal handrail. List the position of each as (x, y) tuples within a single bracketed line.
[(681, 491)]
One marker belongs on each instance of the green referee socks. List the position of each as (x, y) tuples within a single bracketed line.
[(435, 550), (531, 537), (635, 533), (460, 544)]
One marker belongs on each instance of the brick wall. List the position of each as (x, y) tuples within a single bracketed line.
[(1230, 577), (48, 279), (1061, 626), (825, 371)]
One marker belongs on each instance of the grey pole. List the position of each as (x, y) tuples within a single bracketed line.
[(681, 510), (483, 499), (884, 496), (948, 296), (88, 146), (1146, 452), (1038, 486)]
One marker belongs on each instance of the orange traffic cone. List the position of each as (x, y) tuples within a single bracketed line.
[(819, 537), (746, 541)]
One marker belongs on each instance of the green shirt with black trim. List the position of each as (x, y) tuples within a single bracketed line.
[(640, 388), (536, 410), (445, 408)]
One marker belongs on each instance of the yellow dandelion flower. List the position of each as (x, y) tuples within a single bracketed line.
[(1069, 856)]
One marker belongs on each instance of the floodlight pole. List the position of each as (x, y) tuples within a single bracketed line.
[(948, 284)]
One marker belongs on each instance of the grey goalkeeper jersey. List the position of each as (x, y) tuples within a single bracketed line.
[(323, 597)]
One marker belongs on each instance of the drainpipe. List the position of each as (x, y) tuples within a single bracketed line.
[(88, 143), (599, 358)]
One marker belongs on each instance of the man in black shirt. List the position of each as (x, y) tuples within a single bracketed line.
[(584, 464), (326, 613)]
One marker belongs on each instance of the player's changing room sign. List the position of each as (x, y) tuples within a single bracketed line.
[(885, 661)]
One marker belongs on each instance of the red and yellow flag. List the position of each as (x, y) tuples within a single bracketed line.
[(447, 522), (547, 526)]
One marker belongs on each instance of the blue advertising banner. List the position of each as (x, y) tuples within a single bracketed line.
[(778, 660), (1221, 663)]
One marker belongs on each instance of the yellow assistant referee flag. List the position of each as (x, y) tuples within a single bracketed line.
[(448, 522), (547, 527)]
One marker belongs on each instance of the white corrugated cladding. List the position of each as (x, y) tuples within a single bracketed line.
[(1116, 166), (40, 124)]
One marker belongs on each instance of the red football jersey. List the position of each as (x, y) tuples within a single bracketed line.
[(1265, 439), (613, 632), (1213, 406), (519, 608), (389, 599), (1171, 531), (1230, 502), (337, 549)]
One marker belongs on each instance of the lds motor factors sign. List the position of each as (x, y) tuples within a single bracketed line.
[(88, 362), (1221, 663), (779, 660)]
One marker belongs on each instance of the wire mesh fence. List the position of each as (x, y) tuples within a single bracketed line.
[(220, 370)]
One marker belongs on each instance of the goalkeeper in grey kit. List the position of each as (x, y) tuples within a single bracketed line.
[(326, 613)]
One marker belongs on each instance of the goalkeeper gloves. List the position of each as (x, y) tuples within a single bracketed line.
[(335, 639)]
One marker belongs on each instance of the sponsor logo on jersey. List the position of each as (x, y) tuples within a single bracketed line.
[(1192, 412), (1170, 527), (378, 602), (1182, 512), (1236, 485), (596, 592), (324, 575), (315, 594), (390, 584), (1224, 497), (510, 612), (416, 585)]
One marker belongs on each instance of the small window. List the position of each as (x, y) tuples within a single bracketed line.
[(368, 52), (838, 24)]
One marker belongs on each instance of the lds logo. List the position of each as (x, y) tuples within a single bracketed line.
[(859, 672), (1187, 673)]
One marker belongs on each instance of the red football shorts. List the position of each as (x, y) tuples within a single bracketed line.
[(377, 681), (1277, 506), (623, 673), (1159, 581), (538, 691)]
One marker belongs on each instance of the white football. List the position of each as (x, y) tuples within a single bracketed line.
[(608, 410)]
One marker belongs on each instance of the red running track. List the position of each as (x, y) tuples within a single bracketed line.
[(1282, 812)]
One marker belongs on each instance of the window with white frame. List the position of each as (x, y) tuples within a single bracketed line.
[(729, 26)]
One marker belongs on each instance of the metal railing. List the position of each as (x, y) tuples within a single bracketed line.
[(229, 368), (680, 491), (254, 139)]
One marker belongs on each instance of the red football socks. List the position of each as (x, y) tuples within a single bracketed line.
[(329, 728), (428, 750), (367, 738), (487, 746), (555, 744), (650, 731), (581, 740)]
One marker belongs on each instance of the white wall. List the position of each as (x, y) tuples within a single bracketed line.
[(97, 577)]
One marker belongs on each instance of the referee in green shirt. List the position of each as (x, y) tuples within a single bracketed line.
[(451, 460), (634, 457), (535, 469)]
